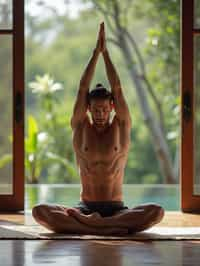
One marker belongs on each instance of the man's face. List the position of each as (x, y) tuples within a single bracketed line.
[(100, 111)]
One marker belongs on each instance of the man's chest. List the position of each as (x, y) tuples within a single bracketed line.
[(102, 143), (97, 146)]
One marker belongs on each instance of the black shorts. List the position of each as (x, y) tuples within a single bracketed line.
[(104, 208)]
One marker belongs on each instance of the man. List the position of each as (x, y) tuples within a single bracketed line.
[(101, 148)]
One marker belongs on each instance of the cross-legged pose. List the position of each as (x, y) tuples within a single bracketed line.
[(101, 147)]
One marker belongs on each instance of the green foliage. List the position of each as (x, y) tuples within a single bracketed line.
[(5, 159), (163, 53), (32, 160), (44, 146)]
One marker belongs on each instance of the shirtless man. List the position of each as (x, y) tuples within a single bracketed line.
[(101, 148)]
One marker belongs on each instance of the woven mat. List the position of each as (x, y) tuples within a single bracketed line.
[(154, 233)]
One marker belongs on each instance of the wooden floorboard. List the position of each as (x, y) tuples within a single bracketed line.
[(99, 252)]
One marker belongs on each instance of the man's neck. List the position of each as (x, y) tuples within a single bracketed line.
[(100, 129)]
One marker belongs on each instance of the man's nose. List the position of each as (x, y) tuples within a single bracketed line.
[(100, 114)]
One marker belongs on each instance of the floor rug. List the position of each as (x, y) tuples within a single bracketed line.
[(8, 231)]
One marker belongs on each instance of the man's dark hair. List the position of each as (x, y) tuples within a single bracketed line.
[(99, 92)]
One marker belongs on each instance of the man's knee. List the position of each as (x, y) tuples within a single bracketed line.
[(38, 211), (158, 212)]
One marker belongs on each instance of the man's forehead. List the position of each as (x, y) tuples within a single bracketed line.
[(100, 103)]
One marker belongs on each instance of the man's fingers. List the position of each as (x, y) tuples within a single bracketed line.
[(103, 37), (101, 31), (102, 26)]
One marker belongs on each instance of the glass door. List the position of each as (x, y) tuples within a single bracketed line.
[(11, 105), (190, 120)]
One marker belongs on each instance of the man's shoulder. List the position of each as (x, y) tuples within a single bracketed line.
[(83, 123), (124, 123)]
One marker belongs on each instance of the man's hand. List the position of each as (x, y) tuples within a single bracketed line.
[(103, 40), (101, 45)]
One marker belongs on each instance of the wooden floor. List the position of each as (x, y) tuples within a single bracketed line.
[(98, 252)]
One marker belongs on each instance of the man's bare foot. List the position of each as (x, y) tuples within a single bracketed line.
[(58, 220)]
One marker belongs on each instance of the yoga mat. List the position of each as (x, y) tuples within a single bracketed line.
[(155, 233)]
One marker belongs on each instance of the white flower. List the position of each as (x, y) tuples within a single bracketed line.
[(42, 136), (172, 135), (154, 41), (44, 85), (48, 116), (31, 157)]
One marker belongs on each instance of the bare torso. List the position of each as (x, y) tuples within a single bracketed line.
[(101, 160)]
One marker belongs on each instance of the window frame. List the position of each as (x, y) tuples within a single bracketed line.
[(189, 201), (15, 201)]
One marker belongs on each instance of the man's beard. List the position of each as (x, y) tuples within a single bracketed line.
[(101, 123)]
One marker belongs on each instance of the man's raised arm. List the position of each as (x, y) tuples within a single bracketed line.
[(120, 104), (80, 107), (121, 107)]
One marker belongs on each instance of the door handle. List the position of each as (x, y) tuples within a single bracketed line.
[(18, 107), (187, 106)]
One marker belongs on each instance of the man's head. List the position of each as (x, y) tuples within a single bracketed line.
[(100, 105)]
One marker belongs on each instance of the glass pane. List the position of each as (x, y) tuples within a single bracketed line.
[(197, 14), (5, 14), (6, 171), (197, 115)]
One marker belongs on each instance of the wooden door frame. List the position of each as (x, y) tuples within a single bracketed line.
[(189, 201), (15, 201)]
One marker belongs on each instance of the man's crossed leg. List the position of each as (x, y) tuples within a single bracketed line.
[(61, 219)]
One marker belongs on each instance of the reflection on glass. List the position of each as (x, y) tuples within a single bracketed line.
[(5, 14), (6, 172), (197, 14), (197, 115)]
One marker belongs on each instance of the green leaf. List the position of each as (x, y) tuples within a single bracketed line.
[(56, 158), (5, 159), (31, 142)]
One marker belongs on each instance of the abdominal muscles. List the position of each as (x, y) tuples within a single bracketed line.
[(102, 185)]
